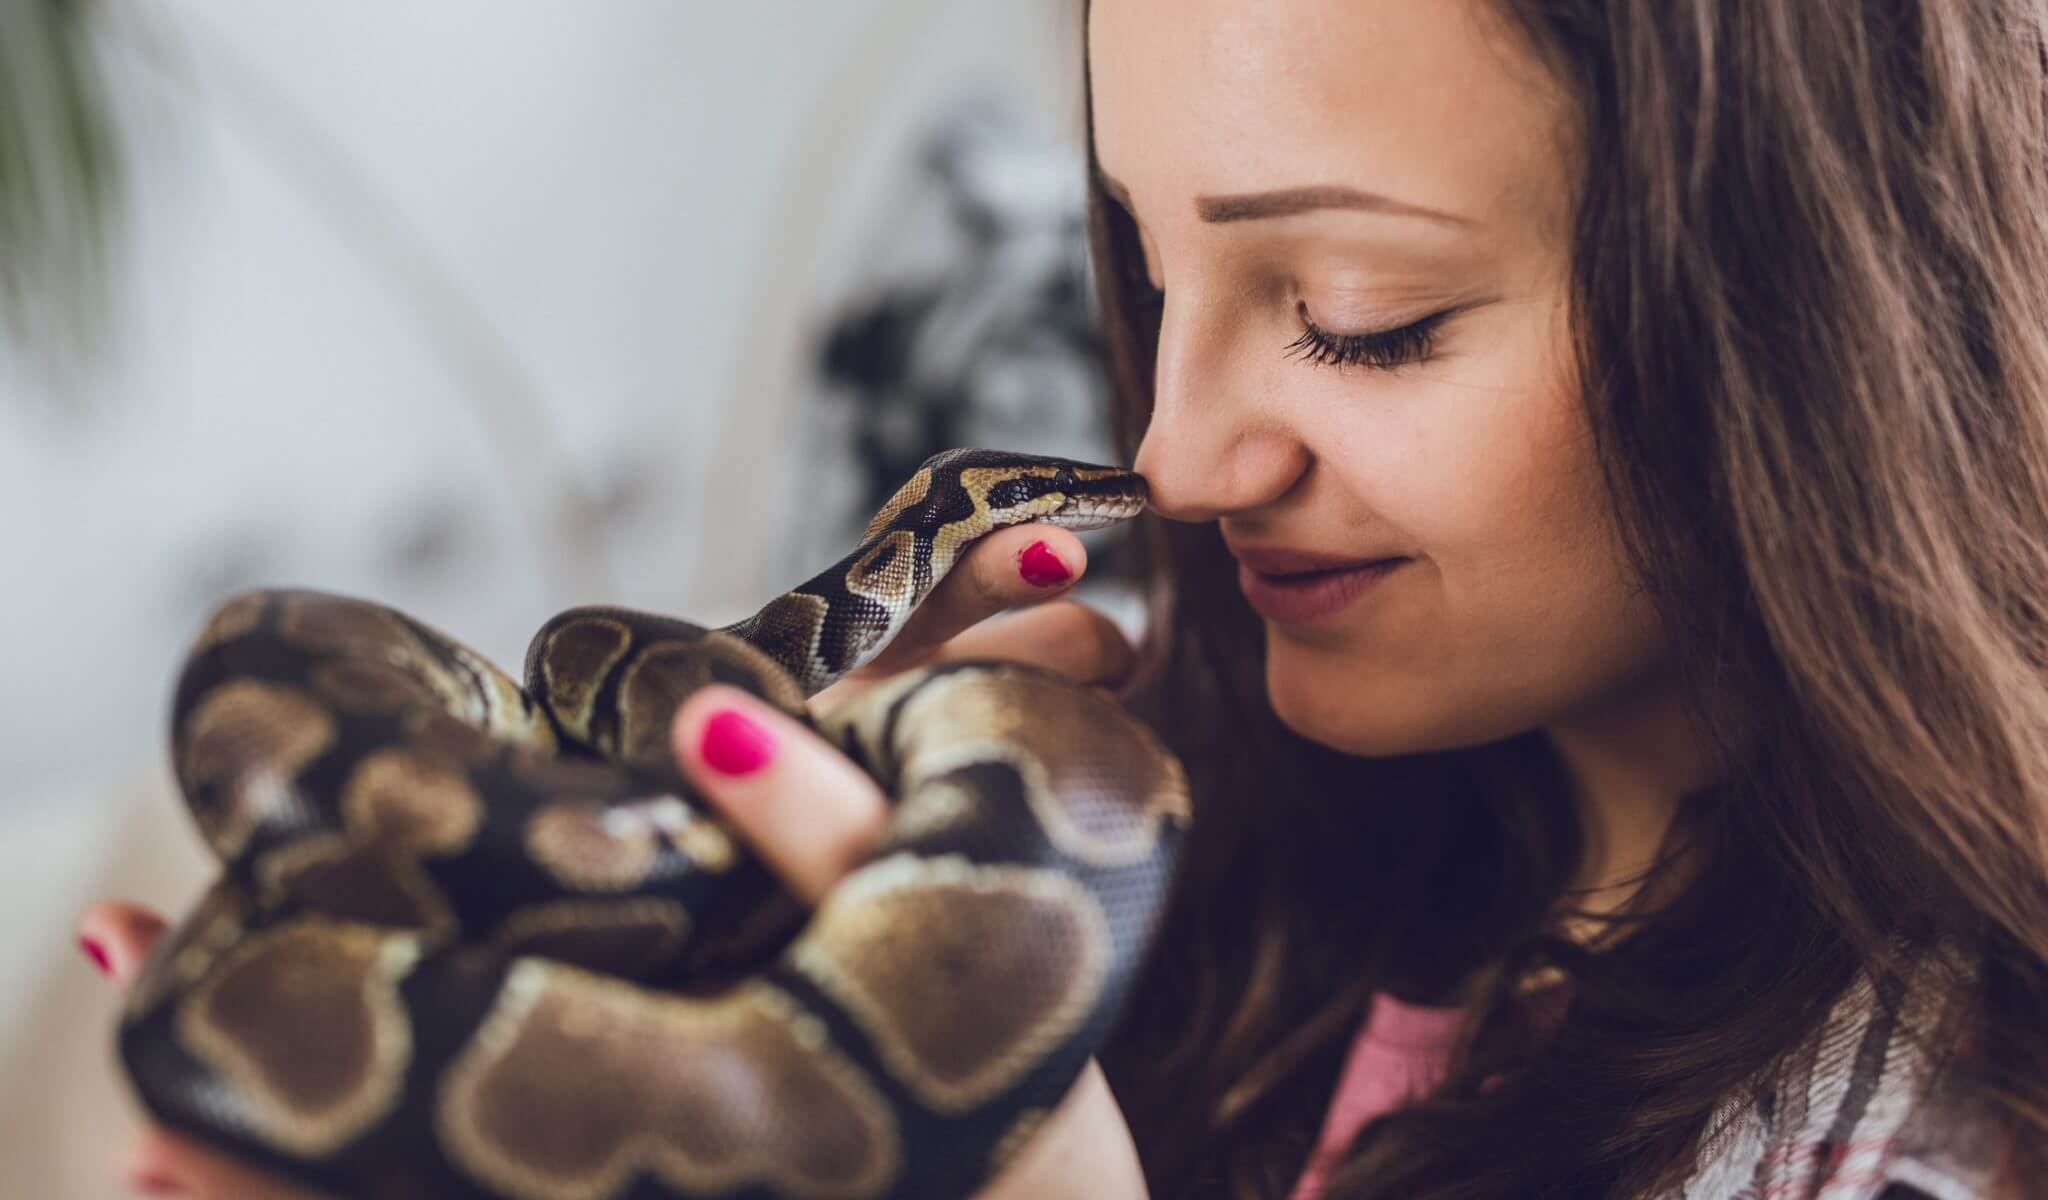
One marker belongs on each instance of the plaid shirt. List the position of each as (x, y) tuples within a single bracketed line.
[(1869, 1108)]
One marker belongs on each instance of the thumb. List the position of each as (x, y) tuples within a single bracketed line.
[(804, 807)]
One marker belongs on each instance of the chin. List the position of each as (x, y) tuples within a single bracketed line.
[(1354, 709)]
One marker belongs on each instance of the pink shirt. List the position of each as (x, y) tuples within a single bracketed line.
[(1400, 1052)]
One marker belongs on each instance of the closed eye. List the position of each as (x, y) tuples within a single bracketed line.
[(1384, 349)]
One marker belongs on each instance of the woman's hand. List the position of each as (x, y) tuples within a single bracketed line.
[(117, 936), (810, 814), (1027, 567)]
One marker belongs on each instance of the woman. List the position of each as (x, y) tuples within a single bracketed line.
[(1647, 789)]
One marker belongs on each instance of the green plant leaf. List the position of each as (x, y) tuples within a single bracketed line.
[(59, 182)]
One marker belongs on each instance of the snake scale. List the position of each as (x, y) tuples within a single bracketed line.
[(472, 938)]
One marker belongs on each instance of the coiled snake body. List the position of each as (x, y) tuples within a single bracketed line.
[(474, 939)]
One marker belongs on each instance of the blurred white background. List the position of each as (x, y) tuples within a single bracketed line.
[(479, 307)]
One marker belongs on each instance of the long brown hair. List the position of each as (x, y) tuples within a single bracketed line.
[(1810, 301)]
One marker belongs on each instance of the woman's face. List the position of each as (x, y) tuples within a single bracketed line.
[(1460, 445)]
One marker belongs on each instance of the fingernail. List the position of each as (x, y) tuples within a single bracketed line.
[(98, 954), (156, 1184), (1041, 567), (733, 745)]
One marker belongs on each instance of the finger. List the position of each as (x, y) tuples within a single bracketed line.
[(801, 804), (162, 1163), (117, 936), (1064, 636), (1083, 1148), (1021, 565)]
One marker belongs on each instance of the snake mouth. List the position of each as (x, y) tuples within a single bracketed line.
[(1094, 512)]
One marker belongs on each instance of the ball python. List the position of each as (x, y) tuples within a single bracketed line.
[(472, 938)]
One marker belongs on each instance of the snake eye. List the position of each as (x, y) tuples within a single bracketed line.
[(1009, 493), (1065, 480)]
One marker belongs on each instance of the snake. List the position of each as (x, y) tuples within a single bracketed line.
[(473, 937)]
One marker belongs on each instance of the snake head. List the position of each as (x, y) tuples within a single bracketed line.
[(1014, 488)]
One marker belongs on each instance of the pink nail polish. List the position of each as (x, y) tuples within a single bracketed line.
[(97, 953), (1041, 567), (733, 745)]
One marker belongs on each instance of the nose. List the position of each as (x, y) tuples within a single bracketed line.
[(1216, 442)]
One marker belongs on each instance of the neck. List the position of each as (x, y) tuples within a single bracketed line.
[(1629, 760)]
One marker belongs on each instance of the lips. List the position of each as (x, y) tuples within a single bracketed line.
[(1282, 562), (1296, 587)]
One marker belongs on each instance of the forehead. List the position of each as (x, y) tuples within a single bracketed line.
[(1433, 102)]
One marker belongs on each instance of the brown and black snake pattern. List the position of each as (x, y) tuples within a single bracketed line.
[(477, 939)]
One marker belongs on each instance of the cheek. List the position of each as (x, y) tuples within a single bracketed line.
[(1522, 608)]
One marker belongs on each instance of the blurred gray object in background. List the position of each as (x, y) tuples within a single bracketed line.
[(974, 324)]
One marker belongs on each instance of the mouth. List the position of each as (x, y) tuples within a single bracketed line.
[(1283, 589), (1283, 564), (1305, 576), (1083, 513)]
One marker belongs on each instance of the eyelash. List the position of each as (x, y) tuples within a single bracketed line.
[(1383, 349)]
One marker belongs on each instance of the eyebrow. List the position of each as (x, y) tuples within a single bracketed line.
[(1287, 202)]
